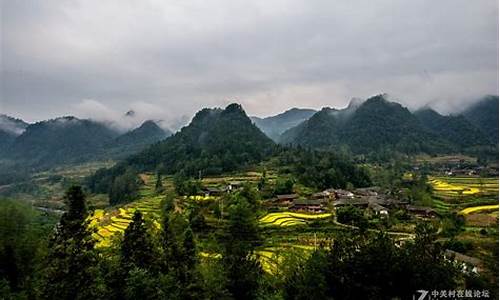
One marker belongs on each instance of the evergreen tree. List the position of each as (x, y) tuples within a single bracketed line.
[(243, 270), (70, 271), (136, 248), (158, 184)]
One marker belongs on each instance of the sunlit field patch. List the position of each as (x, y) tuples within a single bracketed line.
[(477, 209), (290, 218), (450, 187)]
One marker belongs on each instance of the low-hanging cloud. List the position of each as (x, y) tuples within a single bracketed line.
[(134, 116), (269, 55)]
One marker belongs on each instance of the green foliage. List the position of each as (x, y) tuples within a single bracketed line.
[(452, 224), (283, 186), (353, 216), (70, 270), (375, 126), (216, 141), (124, 187), (137, 249), (23, 234), (322, 169), (484, 115), (185, 186), (158, 184), (241, 236), (373, 267)]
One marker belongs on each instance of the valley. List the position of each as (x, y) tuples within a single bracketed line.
[(219, 204)]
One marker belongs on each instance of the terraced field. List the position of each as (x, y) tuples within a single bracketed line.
[(115, 221), (290, 218), (452, 187), (476, 209)]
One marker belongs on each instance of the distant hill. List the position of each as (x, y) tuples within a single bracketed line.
[(216, 140), (456, 129), (61, 140), (484, 115), (274, 126), (71, 140), (10, 128), (371, 126), (136, 140)]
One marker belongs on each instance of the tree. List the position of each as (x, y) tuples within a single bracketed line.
[(283, 186), (158, 184), (353, 216), (242, 269), (124, 188), (70, 271), (136, 248), (373, 267)]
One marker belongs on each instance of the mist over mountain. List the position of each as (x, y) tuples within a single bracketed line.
[(274, 126), (484, 115), (378, 124), (136, 140), (216, 140), (72, 140), (61, 140), (10, 128)]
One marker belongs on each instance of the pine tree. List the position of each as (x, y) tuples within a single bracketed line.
[(70, 272), (242, 269), (136, 248), (159, 183)]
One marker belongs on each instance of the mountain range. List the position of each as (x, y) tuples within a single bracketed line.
[(222, 139), (71, 140), (378, 124)]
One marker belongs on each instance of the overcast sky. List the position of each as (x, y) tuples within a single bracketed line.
[(168, 59)]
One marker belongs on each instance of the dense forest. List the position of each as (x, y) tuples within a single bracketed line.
[(378, 124)]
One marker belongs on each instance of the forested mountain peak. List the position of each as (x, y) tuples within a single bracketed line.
[(12, 125), (484, 115), (363, 127), (216, 140), (60, 140), (10, 128)]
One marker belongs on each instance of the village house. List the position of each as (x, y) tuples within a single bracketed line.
[(342, 194), (324, 195), (285, 200), (369, 191), (309, 205), (234, 185), (360, 202), (424, 212), (469, 263), (378, 209), (212, 191)]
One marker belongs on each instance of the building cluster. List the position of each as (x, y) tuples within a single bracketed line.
[(369, 198)]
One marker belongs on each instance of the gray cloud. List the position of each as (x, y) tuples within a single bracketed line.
[(269, 55)]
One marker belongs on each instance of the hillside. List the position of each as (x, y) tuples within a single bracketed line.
[(136, 140), (10, 128), (456, 129), (484, 115), (374, 125), (274, 126), (61, 140), (216, 141)]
